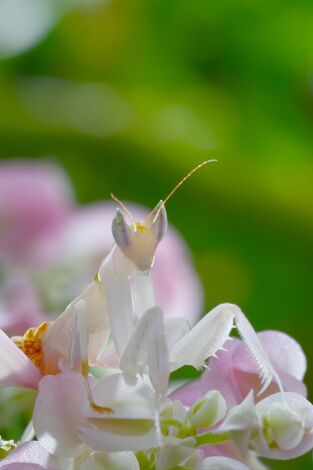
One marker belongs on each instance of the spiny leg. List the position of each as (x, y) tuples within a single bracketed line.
[(256, 350), (209, 336)]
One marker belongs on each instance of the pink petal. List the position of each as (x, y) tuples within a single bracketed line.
[(222, 463), (245, 382), (57, 413), (29, 456), (16, 370), (284, 352)]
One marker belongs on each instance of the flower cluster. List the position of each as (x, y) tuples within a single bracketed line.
[(102, 369)]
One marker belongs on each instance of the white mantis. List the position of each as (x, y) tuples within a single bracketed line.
[(120, 302)]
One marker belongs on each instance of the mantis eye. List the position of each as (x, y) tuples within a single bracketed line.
[(121, 230)]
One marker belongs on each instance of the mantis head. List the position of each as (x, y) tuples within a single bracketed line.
[(139, 240)]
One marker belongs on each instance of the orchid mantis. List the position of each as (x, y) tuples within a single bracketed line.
[(120, 304), (120, 292), (129, 417)]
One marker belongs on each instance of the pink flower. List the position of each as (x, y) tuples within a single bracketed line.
[(72, 424), (35, 200), (234, 373)]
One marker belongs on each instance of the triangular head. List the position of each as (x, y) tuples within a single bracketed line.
[(139, 240)]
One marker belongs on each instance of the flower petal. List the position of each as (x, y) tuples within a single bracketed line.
[(131, 426), (208, 410), (140, 435), (130, 398), (302, 412), (29, 456), (239, 422), (15, 368), (57, 413), (113, 461), (222, 463), (284, 352)]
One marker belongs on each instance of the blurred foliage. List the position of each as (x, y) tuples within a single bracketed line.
[(129, 95)]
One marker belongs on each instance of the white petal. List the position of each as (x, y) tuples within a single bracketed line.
[(131, 426), (138, 435), (205, 339), (147, 349), (57, 413), (15, 368), (287, 429), (130, 398), (113, 461), (222, 463), (302, 411), (178, 456), (239, 422), (208, 410)]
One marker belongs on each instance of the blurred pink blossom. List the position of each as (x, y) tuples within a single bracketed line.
[(35, 201), (19, 306)]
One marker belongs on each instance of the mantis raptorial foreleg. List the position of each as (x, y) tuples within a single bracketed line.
[(211, 333), (79, 353)]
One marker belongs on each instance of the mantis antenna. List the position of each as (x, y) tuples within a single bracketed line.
[(125, 209), (180, 183)]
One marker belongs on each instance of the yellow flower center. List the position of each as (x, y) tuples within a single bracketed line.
[(30, 343)]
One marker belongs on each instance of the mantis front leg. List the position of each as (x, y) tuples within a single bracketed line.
[(211, 333), (79, 353)]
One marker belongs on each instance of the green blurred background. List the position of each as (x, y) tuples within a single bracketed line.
[(129, 95)]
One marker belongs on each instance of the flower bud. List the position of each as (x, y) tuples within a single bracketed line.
[(208, 410), (285, 425)]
